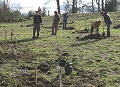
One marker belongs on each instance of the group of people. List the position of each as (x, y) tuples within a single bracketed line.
[(107, 20), (38, 20)]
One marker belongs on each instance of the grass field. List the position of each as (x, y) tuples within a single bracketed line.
[(95, 62)]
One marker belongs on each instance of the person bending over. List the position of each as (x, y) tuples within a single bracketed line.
[(108, 21), (96, 25)]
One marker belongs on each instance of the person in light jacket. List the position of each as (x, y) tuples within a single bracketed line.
[(95, 24)]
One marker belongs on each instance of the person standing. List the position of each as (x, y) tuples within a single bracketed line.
[(55, 23), (36, 24), (108, 21), (65, 17)]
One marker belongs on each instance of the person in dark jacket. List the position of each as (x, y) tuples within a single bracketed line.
[(108, 21), (55, 23), (36, 24)]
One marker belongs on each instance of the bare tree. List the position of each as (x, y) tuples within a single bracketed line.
[(46, 2), (4, 6), (98, 3), (102, 5), (105, 4), (67, 6), (43, 12), (58, 6), (93, 5), (73, 6), (76, 5), (39, 10), (111, 5)]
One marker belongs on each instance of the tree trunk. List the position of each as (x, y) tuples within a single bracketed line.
[(98, 3), (111, 5), (103, 5), (73, 7), (93, 5), (76, 6), (58, 6), (4, 7)]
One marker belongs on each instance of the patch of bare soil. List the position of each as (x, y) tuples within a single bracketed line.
[(117, 26), (91, 36), (81, 31), (70, 28), (29, 25), (28, 79), (86, 79)]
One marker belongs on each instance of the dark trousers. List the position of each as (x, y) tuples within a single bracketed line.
[(54, 29), (108, 30), (64, 24), (36, 28)]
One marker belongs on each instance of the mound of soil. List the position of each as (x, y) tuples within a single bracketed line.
[(82, 31), (93, 36), (2, 26), (71, 22), (20, 52), (65, 54), (29, 25), (67, 23), (117, 26), (60, 26), (60, 23), (91, 77), (47, 27), (30, 82), (44, 67), (61, 63), (70, 28)]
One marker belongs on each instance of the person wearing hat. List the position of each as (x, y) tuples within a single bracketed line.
[(36, 24), (108, 21)]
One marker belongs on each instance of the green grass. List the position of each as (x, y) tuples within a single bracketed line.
[(95, 60)]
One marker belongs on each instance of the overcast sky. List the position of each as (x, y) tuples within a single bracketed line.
[(28, 5)]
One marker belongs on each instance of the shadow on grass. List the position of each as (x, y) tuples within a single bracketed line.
[(85, 43), (22, 40), (27, 40), (88, 39)]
